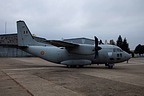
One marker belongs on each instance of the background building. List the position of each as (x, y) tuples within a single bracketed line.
[(80, 41)]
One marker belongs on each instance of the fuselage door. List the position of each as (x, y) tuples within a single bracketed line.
[(111, 57)]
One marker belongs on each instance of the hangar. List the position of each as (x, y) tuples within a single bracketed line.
[(80, 41)]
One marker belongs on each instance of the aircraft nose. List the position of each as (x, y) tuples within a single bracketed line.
[(127, 56)]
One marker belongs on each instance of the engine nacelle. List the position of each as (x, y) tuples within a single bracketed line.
[(83, 50)]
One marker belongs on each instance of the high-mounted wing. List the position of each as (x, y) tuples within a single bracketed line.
[(73, 48), (59, 43)]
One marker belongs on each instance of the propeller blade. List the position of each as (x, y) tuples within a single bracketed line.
[(96, 47), (96, 41)]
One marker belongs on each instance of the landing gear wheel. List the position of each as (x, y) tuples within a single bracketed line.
[(106, 64), (68, 66), (74, 66), (81, 66), (110, 66), (71, 66)]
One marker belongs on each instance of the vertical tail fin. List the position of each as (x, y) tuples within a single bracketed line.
[(25, 38)]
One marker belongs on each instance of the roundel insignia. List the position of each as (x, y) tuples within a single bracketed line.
[(42, 52)]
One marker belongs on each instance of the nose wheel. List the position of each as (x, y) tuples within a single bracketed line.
[(110, 66)]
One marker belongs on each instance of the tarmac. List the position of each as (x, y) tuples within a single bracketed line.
[(36, 77)]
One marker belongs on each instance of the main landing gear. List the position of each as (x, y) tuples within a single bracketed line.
[(110, 66), (75, 66)]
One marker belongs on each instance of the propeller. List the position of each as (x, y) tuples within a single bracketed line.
[(97, 48)]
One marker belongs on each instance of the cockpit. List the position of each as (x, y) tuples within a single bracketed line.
[(117, 50)]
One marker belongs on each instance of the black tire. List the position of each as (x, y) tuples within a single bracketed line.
[(81, 66), (110, 66), (106, 64)]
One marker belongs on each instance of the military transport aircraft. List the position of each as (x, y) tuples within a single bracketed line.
[(70, 54)]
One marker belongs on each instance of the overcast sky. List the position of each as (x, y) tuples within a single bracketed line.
[(57, 19)]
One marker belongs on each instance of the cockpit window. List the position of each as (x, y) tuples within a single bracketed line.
[(114, 50), (117, 50)]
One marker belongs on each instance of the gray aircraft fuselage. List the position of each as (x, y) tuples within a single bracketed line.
[(108, 54)]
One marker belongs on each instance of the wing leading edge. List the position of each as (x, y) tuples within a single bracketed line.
[(59, 43)]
